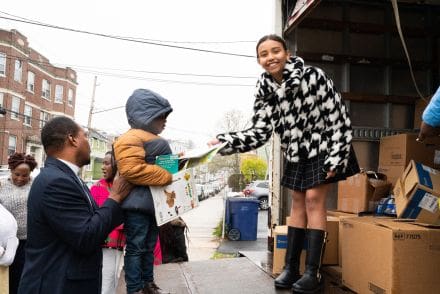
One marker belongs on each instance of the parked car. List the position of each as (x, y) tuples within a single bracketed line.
[(259, 190)]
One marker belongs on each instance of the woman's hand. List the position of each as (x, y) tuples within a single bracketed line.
[(213, 142)]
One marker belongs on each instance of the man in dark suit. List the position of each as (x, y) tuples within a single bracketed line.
[(65, 226)]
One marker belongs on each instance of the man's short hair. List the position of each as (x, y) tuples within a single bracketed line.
[(55, 132)]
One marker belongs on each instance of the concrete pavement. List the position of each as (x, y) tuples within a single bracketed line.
[(201, 223)]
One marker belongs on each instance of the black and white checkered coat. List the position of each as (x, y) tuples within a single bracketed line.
[(305, 110)]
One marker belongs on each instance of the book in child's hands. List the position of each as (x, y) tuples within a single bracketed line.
[(173, 200), (170, 162), (197, 157)]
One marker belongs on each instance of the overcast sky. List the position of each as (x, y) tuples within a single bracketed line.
[(184, 77)]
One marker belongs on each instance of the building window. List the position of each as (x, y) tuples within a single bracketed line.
[(31, 82), (2, 64), (44, 117), (15, 107), (12, 146), (18, 70), (70, 97), (45, 89), (28, 115), (59, 90)]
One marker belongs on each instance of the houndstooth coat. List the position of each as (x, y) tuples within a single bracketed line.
[(305, 110)]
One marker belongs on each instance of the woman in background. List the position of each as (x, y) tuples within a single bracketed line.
[(113, 248), (14, 196)]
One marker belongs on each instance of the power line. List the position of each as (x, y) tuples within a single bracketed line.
[(164, 73), (166, 81), (157, 40), (129, 39), (144, 78), (108, 109)]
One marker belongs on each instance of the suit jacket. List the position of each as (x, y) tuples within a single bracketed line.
[(65, 233)]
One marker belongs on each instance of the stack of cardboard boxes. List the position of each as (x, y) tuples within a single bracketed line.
[(395, 153), (386, 254)]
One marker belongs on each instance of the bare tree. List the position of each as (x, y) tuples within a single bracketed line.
[(232, 121)]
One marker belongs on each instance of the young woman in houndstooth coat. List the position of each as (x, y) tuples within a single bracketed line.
[(301, 104)]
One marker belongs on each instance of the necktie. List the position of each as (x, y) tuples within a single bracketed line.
[(87, 192)]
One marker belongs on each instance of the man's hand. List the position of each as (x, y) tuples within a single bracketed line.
[(120, 189)]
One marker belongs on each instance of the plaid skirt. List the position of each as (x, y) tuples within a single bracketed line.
[(309, 172)]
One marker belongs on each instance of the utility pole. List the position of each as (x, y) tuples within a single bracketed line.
[(89, 122), (92, 104)]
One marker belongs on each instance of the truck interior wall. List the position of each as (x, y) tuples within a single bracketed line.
[(367, 45), (402, 84), (367, 79), (312, 40), (402, 116), (368, 114), (383, 71)]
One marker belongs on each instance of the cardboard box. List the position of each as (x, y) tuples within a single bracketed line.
[(417, 194), (398, 150), (393, 172), (340, 215), (360, 192), (280, 246), (388, 256)]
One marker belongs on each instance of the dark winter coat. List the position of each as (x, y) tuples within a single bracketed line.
[(136, 150)]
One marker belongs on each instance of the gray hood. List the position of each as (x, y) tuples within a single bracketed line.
[(143, 106)]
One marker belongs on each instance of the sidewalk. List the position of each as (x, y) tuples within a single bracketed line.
[(201, 223), (202, 274), (250, 273)]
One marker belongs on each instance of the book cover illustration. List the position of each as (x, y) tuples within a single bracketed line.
[(175, 199)]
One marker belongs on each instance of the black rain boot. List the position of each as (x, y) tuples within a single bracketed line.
[(311, 281), (290, 274)]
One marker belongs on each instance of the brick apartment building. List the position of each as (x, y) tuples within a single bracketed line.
[(31, 92)]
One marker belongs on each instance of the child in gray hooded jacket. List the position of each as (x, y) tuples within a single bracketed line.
[(135, 153)]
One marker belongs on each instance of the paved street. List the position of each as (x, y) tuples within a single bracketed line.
[(201, 223)]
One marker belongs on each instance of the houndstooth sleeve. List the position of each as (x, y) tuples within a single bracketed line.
[(254, 137)]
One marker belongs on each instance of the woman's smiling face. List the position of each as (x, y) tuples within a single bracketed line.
[(273, 57), (20, 175)]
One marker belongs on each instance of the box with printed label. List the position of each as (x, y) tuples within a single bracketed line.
[(280, 246), (399, 149), (390, 256), (417, 194)]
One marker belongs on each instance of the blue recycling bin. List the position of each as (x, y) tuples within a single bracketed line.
[(241, 218)]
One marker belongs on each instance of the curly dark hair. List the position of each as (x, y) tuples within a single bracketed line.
[(56, 131), (18, 158)]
